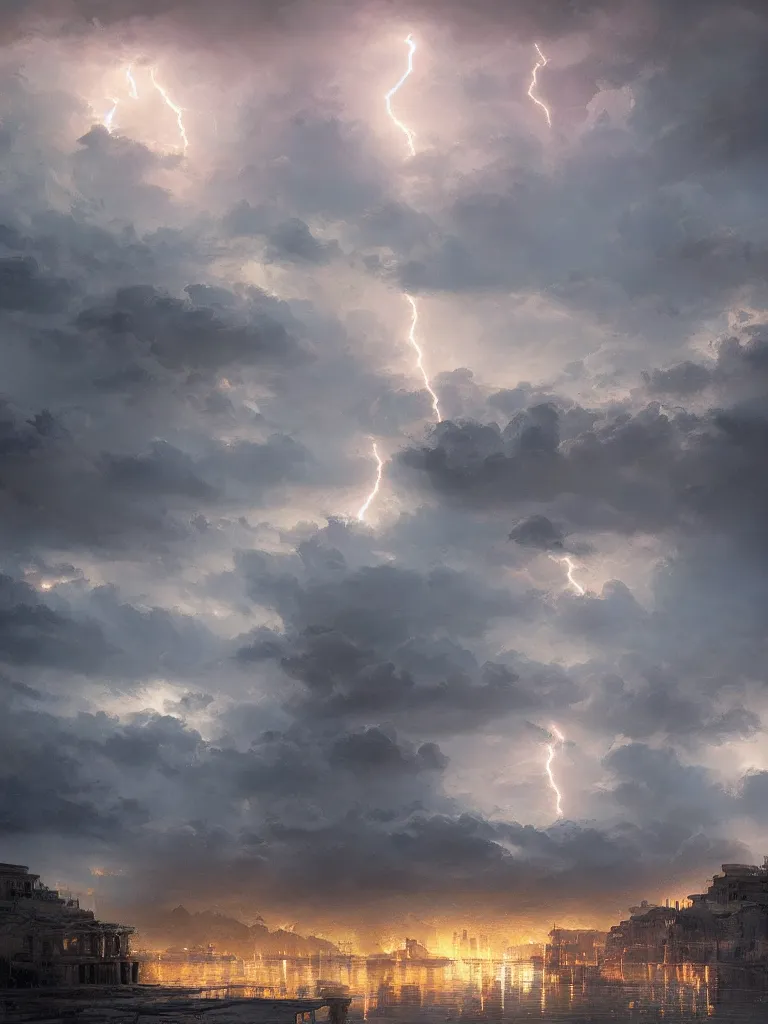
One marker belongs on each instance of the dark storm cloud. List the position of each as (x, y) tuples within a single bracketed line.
[(23, 287), (533, 236), (166, 471), (111, 173), (289, 240), (653, 784), (340, 851), (382, 642), (641, 471), (189, 702), (685, 379), (430, 859), (292, 240), (482, 465), (754, 795), (537, 532), (151, 400), (638, 222), (94, 633), (658, 703), (420, 688), (373, 751), (32, 633), (61, 494), (695, 478), (379, 604), (137, 346), (184, 335), (526, 17), (55, 795), (738, 374)]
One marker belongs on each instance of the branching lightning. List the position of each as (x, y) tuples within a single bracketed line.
[(565, 560), (379, 468), (409, 135), (559, 740), (177, 110), (420, 360), (540, 63)]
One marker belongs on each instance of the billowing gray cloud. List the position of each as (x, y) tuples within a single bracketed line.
[(537, 532), (232, 676)]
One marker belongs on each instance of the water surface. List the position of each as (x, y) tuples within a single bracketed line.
[(492, 991)]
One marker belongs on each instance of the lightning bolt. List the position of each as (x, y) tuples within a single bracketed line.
[(379, 468), (420, 360), (107, 122), (540, 63), (131, 82), (177, 110), (560, 739), (565, 560), (409, 135)]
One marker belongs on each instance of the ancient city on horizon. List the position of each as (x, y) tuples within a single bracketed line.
[(47, 939)]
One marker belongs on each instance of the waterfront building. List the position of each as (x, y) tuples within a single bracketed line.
[(573, 947), (727, 923), (47, 939)]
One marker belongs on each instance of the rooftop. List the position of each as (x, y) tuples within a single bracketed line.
[(16, 869)]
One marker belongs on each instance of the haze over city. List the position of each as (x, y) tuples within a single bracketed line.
[(382, 458)]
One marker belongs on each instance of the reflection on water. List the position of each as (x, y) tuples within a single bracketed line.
[(466, 991)]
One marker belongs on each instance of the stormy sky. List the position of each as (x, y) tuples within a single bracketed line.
[(219, 687)]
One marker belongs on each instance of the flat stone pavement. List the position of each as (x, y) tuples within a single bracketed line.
[(149, 1004)]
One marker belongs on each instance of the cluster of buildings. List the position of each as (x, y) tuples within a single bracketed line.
[(574, 948), (47, 940), (728, 922), (526, 952), (470, 947)]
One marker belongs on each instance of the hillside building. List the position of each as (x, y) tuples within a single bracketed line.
[(726, 923), (46, 939)]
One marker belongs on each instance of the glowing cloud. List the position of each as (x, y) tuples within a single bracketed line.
[(177, 110), (379, 468), (420, 355), (540, 63), (409, 135), (560, 739)]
